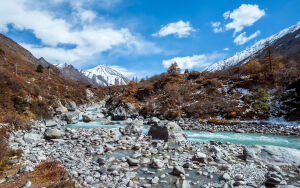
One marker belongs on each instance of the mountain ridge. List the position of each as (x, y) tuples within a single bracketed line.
[(245, 55)]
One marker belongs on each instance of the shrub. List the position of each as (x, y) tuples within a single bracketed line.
[(39, 69), (15, 153), (40, 108), (15, 120), (3, 143), (51, 171)]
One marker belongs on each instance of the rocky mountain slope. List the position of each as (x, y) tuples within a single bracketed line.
[(105, 76), (70, 72), (26, 93), (285, 41)]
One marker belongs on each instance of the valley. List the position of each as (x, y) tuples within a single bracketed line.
[(233, 123)]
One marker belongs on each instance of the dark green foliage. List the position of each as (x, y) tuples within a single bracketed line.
[(261, 104), (40, 69), (2, 53)]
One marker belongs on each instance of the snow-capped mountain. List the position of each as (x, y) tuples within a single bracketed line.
[(245, 56), (105, 76)]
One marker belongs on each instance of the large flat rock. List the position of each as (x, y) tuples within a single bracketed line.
[(273, 155)]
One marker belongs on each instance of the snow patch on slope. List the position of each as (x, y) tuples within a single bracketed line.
[(61, 66), (245, 56)]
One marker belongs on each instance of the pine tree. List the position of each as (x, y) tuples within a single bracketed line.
[(261, 103), (268, 54), (174, 69)]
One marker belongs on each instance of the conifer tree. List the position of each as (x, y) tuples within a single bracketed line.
[(261, 104), (174, 69)]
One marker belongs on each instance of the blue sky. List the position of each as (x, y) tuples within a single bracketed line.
[(142, 37)]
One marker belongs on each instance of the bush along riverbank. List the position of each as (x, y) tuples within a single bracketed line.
[(125, 157)]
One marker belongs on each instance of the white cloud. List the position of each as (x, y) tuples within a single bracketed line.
[(226, 15), (217, 27), (87, 15), (90, 39), (245, 15), (180, 29), (226, 49), (195, 61), (242, 38), (215, 24)]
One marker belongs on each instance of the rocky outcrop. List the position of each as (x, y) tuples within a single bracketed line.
[(119, 110), (167, 131), (71, 106)]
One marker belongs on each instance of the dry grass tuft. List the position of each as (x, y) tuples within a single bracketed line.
[(63, 184), (51, 171)]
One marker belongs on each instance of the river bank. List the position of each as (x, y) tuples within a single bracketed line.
[(241, 127)]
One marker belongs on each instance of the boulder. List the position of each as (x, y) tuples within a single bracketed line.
[(133, 162), (32, 137), (119, 113), (101, 160), (186, 184), (272, 155), (226, 177), (200, 157), (88, 117), (145, 161), (157, 164), (71, 106), (50, 123), (155, 180), (53, 134), (178, 170), (134, 128), (273, 179), (119, 110), (167, 131), (71, 117)]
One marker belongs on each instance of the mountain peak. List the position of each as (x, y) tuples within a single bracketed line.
[(104, 75)]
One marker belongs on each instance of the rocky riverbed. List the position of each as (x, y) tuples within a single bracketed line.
[(106, 158), (101, 157)]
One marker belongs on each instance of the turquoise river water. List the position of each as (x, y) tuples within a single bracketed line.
[(198, 136)]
